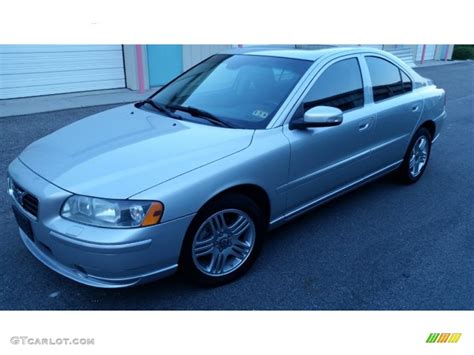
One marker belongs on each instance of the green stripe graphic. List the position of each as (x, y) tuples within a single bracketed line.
[(432, 337)]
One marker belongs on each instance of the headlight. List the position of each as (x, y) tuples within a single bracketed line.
[(112, 213)]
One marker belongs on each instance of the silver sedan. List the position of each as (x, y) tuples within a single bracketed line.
[(194, 176)]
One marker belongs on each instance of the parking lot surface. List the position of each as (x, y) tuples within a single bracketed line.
[(383, 246)]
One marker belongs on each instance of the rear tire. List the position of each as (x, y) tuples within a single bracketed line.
[(416, 157), (223, 240)]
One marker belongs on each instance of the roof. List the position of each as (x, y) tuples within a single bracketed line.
[(304, 54)]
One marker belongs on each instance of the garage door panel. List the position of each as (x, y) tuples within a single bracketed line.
[(57, 48), (32, 63), (61, 88), (42, 70), (54, 78)]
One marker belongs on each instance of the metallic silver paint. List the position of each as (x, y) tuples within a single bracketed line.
[(323, 115), (117, 153), (147, 156)]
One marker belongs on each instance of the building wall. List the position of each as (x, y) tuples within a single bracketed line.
[(136, 67), (441, 52), (145, 66), (164, 63), (161, 63)]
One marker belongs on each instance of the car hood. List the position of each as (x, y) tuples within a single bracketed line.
[(125, 150)]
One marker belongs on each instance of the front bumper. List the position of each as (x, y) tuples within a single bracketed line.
[(94, 256)]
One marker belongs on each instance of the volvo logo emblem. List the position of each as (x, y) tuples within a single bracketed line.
[(20, 195)]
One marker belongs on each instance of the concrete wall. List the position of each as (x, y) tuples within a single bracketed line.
[(136, 67)]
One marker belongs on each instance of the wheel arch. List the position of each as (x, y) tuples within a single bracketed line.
[(252, 191), (430, 126)]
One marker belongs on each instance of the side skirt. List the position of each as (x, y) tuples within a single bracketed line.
[(333, 194)]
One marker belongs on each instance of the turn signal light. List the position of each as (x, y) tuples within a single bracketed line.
[(153, 215)]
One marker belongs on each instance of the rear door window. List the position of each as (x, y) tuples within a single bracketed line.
[(387, 79)]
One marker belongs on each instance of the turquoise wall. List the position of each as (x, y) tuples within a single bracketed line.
[(164, 63)]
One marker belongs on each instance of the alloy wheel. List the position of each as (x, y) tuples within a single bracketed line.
[(418, 156), (223, 242)]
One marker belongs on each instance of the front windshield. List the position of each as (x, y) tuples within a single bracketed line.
[(243, 90)]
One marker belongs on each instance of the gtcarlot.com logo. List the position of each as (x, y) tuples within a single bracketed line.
[(443, 337), (26, 340)]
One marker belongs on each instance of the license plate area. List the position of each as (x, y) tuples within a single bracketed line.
[(24, 223)]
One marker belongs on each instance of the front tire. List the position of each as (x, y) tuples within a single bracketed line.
[(416, 157), (223, 240)]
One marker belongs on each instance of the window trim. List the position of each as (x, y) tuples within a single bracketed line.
[(409, 78)]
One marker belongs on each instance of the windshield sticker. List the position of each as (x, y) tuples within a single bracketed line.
[(259, 113)]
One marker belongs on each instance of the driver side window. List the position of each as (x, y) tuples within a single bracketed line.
[(340, 85)]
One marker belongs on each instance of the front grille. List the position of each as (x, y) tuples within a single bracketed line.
[(25, 199), (30, 203)]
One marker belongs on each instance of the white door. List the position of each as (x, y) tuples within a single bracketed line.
[(429, 52), (33, 70)]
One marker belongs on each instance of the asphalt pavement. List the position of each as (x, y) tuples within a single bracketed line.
[(384, 246)]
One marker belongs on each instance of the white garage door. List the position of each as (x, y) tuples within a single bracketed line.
[(429, 52), (49, 69)]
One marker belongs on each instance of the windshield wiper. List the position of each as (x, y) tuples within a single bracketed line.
[(159, 107), (193, 111)]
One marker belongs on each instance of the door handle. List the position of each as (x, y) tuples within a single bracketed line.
[(415, 108), (363, 126)]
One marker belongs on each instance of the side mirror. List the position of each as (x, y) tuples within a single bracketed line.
[(319, 116)]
